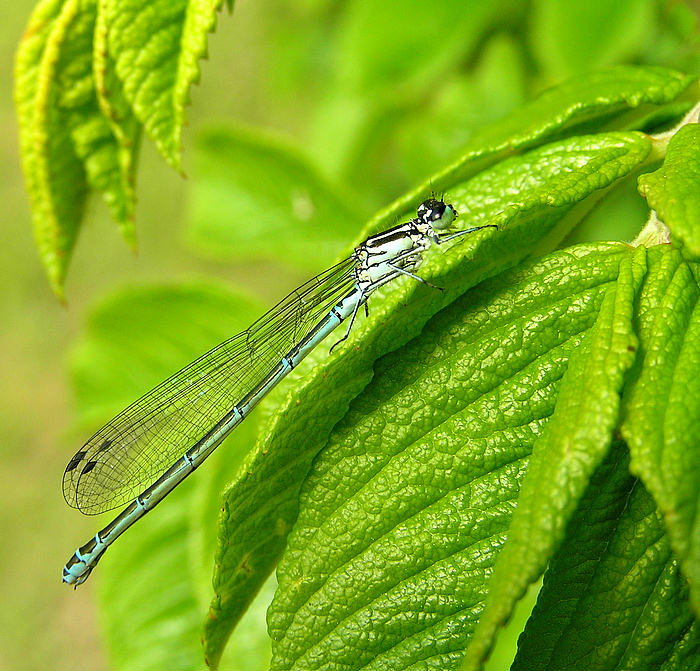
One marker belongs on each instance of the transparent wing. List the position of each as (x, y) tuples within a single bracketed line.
[(135, 448)]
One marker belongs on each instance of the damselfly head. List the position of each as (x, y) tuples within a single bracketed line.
[(437, 213)]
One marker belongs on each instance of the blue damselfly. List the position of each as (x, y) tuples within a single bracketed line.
[(142, 454)]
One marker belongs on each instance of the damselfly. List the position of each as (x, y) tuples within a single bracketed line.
[(150, 447)]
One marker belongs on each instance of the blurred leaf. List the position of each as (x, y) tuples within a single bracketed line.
[(407, 506), (384, 43), (458, 107), (168, 319), (256, 197), (527, 196), (662, 422), (576, 441), (569, 38), (134, 340), (390, 58), (249, 648), (613, 595), (673, 189), (676, 40), (617, 216), (299, 48)]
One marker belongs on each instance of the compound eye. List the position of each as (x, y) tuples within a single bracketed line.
[(431, 210), (438, 211), (446, 216)]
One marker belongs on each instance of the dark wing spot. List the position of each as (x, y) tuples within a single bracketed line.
[(77, 458), (88, 467)]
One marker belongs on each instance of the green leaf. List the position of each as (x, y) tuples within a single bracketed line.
[(67, 145), (249, 647), (528, 196), (88, 74), (613, 596), (548, 181), (673, 189), (571, 38), (54, 174), (376, 49), (114, 107), (104, 384), (92, 135), (387, 68), (134, 340), (621, 93), (254, 197), (662, 420), (407, 506), (156, 49), (575, 443)]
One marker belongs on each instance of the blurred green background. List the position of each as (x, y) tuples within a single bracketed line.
[(370, 98)]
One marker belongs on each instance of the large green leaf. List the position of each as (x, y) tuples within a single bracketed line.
[(617, 97), (574, 444), (406, 508), (662, 423), (613, 596)]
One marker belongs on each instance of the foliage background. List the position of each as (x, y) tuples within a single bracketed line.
[(275, 65)]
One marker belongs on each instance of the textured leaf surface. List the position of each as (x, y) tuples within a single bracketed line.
[(613, 596), (154, 583), (256, 197), (407, 506), (662, 423), (528, 197), (673, 189), (575, 443)]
